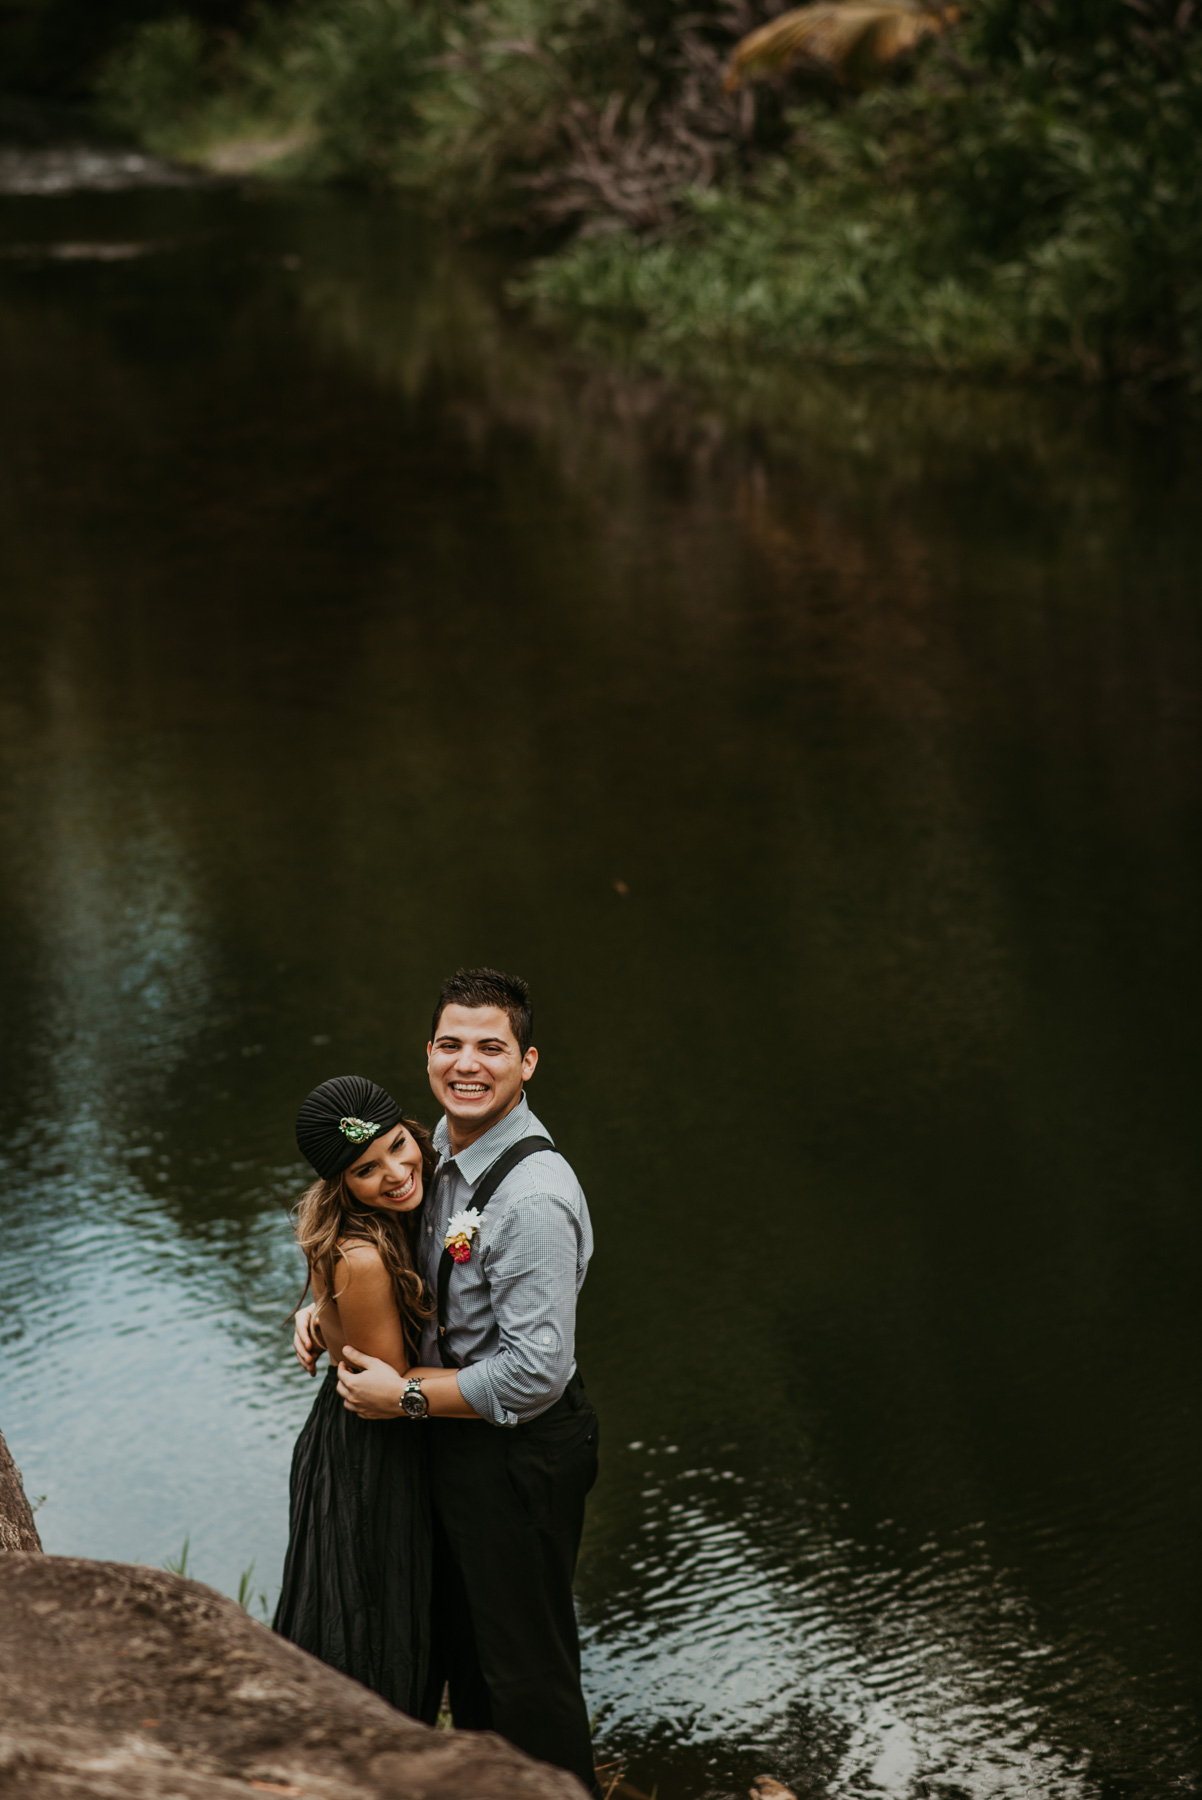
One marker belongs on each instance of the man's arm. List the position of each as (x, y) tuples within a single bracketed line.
[(531, 1266), (372, 1388)]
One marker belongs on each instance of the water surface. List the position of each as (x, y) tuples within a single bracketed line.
[(826, 753)]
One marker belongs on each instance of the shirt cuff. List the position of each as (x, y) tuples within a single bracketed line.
[(475, 1384)]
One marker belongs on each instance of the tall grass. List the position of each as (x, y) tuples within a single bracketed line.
[(178, 1565), (250, 1599)]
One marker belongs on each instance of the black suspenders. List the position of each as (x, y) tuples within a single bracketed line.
[(504, 1165)]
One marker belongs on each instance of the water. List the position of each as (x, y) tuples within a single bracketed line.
[(826, 752)]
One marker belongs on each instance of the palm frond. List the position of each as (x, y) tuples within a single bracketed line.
[(842, 35)]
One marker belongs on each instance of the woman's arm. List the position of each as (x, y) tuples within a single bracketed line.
[(306, 1342), (367, 1309)]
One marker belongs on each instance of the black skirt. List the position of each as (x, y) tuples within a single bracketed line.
[(356, 1587)]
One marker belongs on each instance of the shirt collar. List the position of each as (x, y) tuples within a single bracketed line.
[(479, 1156)]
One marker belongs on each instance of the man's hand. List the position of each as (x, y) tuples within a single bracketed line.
[(368, 1386), (305, 1341)]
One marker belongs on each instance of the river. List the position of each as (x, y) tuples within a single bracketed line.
[(824, 748)]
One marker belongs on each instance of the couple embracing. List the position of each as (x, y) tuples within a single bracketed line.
[(438, 1487)]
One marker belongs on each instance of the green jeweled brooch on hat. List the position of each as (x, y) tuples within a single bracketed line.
[(359, 1131)]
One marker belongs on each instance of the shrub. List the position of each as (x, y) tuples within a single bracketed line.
[(358, 69), (1018, 193), (1026, 202), (154, 84)]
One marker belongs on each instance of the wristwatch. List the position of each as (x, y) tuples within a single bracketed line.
[(413, 1402)]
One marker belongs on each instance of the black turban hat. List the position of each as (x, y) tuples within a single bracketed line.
[(340, 1118)]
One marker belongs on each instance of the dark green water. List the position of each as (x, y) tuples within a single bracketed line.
[(351, 633)]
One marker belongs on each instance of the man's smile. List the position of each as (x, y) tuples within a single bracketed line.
[(469, 1089)]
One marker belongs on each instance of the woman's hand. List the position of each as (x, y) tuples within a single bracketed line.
[(305, 1340), (370, 1387), (373, 1388)]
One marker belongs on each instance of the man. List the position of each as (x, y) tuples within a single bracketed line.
[(508, 1493)]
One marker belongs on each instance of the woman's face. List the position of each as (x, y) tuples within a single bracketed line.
[(388, 1176)]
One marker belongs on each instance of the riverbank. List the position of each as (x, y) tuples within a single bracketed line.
[(1014, 197)]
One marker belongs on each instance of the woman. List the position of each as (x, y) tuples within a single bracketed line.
[(356, 1587)]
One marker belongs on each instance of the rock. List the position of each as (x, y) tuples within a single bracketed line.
[(120, 1683), (17, 1529), (70, 168)]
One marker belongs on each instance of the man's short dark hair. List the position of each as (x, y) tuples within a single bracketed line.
[(488, 987)]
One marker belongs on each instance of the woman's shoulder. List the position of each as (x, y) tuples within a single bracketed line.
[(360, 1253)]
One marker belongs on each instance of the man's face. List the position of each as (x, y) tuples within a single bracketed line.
[(476, 1070)]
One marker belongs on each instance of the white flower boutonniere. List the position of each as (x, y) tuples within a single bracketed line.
[(461, 1229)]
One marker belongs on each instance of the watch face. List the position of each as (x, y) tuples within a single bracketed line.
[(415, 1405)]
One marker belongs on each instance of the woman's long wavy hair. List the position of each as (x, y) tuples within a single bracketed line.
[(327, 1216)]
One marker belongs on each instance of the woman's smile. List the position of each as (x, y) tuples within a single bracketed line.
[(390, 1176)]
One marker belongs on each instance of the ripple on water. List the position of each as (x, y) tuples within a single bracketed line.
[(780, 1639)]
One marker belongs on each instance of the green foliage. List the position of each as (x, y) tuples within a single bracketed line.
[(155, 83), (359, 69), (788, 272), (178, 1565), (498, 111), (344, 76), (512, 68), (588, 112), (245, 1589), (52, 48), (1020, 196), (1028, 206), (247, 1597)]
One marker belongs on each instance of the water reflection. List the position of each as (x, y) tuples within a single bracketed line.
[(802, 1612), (356, 632)]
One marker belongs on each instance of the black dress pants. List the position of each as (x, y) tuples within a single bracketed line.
[(508, 1514)]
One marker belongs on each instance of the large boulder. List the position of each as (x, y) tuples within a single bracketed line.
[(120, 1683), (17, 1529)]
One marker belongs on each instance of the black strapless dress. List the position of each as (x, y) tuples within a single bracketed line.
[(356, 1587)]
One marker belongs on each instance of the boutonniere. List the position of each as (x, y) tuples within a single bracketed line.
[(461, 1229)]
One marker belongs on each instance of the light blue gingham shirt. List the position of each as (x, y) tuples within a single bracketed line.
[(511, 1308)]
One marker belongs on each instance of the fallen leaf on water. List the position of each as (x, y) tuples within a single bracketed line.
[(767, 1787), (620, 887)]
